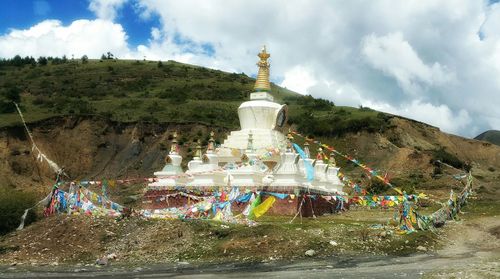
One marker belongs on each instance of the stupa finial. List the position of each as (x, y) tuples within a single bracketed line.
[(320, 155), (197, 153), (211, 143), (331, 160), (306, 150), (174, 147), (262, 82), (289, 141)]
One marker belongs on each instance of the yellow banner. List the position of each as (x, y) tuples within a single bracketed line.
[(264, 207)]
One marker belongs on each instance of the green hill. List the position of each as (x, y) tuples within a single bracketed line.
[(492, 136), (159, 92)]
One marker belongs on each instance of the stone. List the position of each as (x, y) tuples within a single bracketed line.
[(310, 253), (54, 263), (112, 256), (102, 261), (421, 248), (333, 243)]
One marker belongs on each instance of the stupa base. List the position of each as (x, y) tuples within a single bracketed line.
[(305, 204)]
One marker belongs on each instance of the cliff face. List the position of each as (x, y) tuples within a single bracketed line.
[(88, 149), (92, 148)]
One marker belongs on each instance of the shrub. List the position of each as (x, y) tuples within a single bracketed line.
[(448, 158), (376, 187), (7, 107), (12, 206)]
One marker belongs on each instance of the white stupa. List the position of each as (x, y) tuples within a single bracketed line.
[(257, 156)]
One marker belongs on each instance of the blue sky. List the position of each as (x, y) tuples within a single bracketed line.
[(21, 14), (436, 61)]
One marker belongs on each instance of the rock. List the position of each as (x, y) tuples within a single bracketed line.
[(102, 261), (138, 269), (421, 248), (183, 263), (13, 264), (310, 253), (383, 234), (54, 263), (112, 256), (333, 243)]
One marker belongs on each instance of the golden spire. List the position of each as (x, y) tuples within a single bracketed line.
[(174, 148), (197, 152), (262, 82), (211, 143)]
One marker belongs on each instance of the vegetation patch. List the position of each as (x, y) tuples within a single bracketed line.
[(12, 206)]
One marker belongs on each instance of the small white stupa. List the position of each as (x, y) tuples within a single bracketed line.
[(257, 156)]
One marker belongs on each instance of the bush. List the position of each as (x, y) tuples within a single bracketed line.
[(448, 158), (12, 206), (377, 187), (337, 124), (7, 107)]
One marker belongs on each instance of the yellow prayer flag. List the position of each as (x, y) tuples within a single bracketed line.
[(264, 207), (218, 216)]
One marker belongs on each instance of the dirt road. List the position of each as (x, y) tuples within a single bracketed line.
[(470, 249)]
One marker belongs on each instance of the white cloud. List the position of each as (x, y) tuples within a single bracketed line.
[(298, 79), (440, 116), (106, 9), (51, 38), (395, 56), (155, 34)]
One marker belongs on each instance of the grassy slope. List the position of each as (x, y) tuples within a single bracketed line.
[(130, 91)]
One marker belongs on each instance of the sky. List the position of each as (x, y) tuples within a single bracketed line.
[(436, 61)]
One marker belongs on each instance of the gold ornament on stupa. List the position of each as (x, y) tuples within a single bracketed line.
[(211, 143), (174, 148), (262, 82), (197, 152)]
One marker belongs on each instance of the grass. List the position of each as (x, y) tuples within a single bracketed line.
[(131, 91), (167, 93)]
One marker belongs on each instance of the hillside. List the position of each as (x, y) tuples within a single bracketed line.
[(113, 118), (491, 136)]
